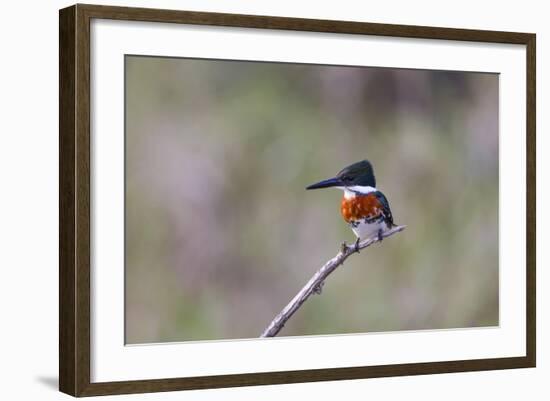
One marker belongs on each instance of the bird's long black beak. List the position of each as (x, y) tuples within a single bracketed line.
[(331, 182)]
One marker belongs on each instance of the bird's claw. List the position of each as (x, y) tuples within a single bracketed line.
[(319, 288), (356, 246), (380, 237), (343, 247)]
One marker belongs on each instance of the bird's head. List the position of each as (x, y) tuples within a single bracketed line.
[(358, 174)]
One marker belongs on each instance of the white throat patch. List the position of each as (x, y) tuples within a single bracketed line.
[(351, 192)]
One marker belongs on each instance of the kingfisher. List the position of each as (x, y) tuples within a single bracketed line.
[(363, 207)]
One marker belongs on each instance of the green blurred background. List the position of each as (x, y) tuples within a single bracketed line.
[(220, 233)]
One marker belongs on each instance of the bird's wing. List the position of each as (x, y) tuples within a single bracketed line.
[(386, 211)]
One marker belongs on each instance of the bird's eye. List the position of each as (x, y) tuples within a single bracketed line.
[(346, 178)]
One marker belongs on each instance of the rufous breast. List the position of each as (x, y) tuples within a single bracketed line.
[(360, 207)]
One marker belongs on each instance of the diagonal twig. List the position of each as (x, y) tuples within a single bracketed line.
[(315, 284)]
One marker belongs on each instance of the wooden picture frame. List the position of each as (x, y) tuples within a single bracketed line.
[(74, 200)]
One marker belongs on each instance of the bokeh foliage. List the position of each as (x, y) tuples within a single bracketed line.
[(220, 233)]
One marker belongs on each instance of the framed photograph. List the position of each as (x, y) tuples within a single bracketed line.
[(250, 200)]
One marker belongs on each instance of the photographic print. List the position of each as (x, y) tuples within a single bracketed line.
[(243, 178), (257, 200)]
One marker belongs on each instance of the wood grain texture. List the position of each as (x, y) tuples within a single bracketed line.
[(82, 200), (74, 199), (301, 24), (531, 228), (74, 206), (67, 289), (300, 376)]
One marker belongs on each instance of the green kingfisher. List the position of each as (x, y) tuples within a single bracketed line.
[(363, 207)]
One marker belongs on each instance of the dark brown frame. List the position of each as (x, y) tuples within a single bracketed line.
[(74, 199)]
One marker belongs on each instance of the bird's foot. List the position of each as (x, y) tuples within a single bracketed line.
[(319, 288), (343, 247), (356, 246), (380, 237)]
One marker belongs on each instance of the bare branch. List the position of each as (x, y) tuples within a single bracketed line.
[(315, 284)]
